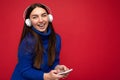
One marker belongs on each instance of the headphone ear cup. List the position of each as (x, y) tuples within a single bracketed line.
[(28, 22), (50, 17)]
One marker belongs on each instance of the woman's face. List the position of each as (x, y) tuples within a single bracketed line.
[(39, 19)]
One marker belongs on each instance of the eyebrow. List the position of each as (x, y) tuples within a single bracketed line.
[(45, 13), (34, 15), (37, 14)]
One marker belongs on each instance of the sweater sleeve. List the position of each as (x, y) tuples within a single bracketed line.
[(58, 48), (25, 61)]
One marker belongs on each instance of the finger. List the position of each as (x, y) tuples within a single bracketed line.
[(58, 70), (54, 71), (60, 76), (65, 68)]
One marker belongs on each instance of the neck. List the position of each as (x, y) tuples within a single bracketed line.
[(42, 34)]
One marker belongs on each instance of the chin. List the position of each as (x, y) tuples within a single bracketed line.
[(43, 30)]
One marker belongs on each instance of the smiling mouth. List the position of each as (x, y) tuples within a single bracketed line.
[(40, 25)]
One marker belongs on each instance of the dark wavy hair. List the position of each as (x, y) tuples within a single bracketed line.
[(39, 46)]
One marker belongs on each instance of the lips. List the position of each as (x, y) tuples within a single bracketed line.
[(40, 25)]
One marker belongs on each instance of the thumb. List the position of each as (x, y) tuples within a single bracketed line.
[(54, 71)]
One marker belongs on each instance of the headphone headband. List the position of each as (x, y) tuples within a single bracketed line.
[(48, 9), (28, 22)]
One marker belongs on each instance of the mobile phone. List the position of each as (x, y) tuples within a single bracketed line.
[(65, 72)]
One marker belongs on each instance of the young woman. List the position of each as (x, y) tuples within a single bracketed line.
[(39, 48)]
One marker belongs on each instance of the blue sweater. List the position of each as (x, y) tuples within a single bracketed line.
[(24, 70)]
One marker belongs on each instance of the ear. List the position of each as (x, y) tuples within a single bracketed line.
[(28, 22), (50, 17)]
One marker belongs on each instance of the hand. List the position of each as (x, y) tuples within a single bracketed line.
[(62, 68), (52, 75)]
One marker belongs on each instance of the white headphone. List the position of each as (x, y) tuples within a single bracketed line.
[(28, 21)]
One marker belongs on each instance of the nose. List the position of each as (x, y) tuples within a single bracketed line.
[(40, 19)]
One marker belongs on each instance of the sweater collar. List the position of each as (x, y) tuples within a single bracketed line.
[(42, 34)]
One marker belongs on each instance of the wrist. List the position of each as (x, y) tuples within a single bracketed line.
[(46, 76)]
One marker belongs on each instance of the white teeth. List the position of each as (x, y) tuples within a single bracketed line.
[(40, 24)]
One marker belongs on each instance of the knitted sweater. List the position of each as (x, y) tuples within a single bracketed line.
[(24, 70)]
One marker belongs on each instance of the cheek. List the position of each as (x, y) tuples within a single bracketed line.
[(46, 19), (34, 22)]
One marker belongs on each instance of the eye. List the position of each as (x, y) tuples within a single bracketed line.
[(44, 15), (34, 17)]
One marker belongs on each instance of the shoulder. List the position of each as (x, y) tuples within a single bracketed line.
[(58, 42), (27, 43), (58, 37), (29, 39)]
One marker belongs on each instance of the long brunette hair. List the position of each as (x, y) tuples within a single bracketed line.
[(39, 46)]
